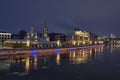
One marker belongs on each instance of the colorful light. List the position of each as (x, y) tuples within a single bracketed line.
[(34, 53), (73, 49), (57, 51)]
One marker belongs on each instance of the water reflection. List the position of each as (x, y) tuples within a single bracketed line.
[(58, 59), (27, 65), (58, 56), (85, 55), (36, 62), (79, 56), (44, 61), (112, 48)]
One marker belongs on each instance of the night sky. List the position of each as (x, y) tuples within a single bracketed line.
[(98, 16)]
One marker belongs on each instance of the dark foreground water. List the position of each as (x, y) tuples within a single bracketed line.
[(85, 64)]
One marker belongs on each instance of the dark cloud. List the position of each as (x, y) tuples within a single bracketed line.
[(98, 16)]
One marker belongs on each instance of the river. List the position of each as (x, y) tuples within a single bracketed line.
[(98, 63)]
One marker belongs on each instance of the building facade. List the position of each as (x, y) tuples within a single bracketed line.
[(17, 43), (4, 37), (33, 37), (80, 37)]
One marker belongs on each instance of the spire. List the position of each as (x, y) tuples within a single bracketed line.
[(45, 30), (45, 24), (32, 29)]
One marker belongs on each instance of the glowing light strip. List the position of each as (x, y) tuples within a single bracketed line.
[(5, 33)]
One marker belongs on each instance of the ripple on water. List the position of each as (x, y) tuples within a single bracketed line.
[(19, 73)]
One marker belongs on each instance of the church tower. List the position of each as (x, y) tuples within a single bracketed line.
[(45, 31), (32, 35), (32, 29)]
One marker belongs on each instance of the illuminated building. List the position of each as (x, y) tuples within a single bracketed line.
[(69, 40), (114, 42), (3, 37), (39, 42), (112, 35), (46, 44), (60, 39), (17, 43), (80, 37), (33, 37)]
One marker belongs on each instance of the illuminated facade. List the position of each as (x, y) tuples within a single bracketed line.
[(112, 35), (3, 37), (35, 41), (32, 37), (80, 37), (17, 43)]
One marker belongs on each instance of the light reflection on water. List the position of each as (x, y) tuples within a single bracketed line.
[(73, 56), (58, 59), (64, 59), (86, 55)]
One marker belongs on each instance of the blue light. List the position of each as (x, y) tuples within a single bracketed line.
[(34, 55), (73, 49), (57, 51), (34, 51)]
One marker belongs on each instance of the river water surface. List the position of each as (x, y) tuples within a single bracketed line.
[(98, 63)]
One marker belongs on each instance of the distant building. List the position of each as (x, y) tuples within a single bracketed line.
[(45, 32), (60, 37), (102, 37), (32, 35), (55, 36), (80, 37), (69, 39), (112, 35), (32, 39), (17, 43), (3, 37)]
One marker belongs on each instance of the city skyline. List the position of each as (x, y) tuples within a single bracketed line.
[(59, 39), (98, 16)]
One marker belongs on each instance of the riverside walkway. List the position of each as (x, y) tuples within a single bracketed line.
[(5, 53)]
